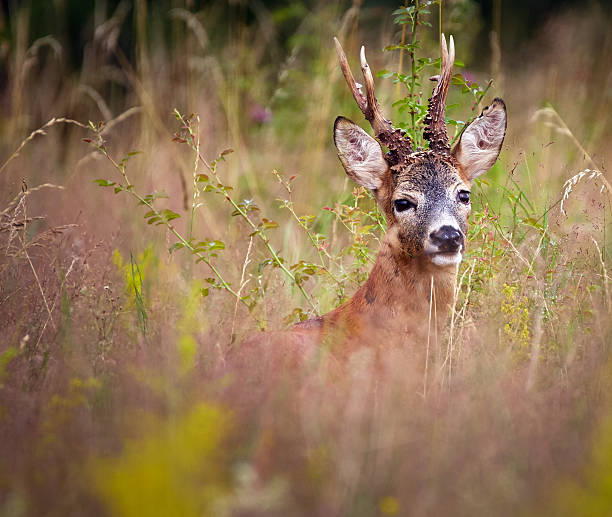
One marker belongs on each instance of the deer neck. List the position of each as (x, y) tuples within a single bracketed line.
[(407, 284), (403, 296)]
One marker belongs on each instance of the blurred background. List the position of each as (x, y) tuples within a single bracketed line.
[(123, 390)]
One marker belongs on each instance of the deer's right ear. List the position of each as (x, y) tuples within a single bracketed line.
[(481, 142), (361, 155)]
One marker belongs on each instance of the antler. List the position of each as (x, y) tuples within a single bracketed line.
[(435, 126), (395, 139)]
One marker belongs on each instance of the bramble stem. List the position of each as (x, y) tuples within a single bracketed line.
[(257, 230), (413, 72), (129, 187), (401, 57)]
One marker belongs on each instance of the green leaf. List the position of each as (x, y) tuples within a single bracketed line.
[(216, 245), (104, 183), (406, 46), (176, 246), (169, 215), (245, 206), (404, 10), (267, 224), (149, 198)]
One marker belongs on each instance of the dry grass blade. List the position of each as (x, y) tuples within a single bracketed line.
[(24, 248), (40, 131), (431, 293), (13, 203), (243, 284), (556, 122), (193, 24), (587, 175), (604, 272)]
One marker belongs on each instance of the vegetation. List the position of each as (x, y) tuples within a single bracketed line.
[(124, 389)]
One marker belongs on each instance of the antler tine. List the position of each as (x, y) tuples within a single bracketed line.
[(444, 52), (378, 121), (350, 79), (399, 146), (435, 126)]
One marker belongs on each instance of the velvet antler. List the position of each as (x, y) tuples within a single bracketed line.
[(400, 146), (435, 126)]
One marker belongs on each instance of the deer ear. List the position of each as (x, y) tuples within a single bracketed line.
[(361, 155), (481, 141)]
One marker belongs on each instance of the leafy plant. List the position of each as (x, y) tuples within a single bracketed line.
[(414, 14)]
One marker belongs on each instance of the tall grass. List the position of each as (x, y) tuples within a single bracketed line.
[(123, 386)]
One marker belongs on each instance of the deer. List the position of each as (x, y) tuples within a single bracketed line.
[(425, 197)]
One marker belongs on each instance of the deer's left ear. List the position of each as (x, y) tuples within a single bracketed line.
[(481, 142), (360, 154)]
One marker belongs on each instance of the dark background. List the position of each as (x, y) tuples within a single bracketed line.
[(72, 20)]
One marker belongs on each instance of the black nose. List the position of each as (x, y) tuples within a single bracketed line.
[(447, 239)]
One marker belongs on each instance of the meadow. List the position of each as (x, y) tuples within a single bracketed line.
[(169, 187)]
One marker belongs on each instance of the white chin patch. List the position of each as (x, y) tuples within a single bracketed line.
[(446, 259)]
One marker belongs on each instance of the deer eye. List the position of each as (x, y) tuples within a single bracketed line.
[(464, 196), (401, 205)]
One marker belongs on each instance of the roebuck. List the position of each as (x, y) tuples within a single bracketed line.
[(425, 196)]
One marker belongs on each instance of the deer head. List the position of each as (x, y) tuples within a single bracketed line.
[(424, 194)]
